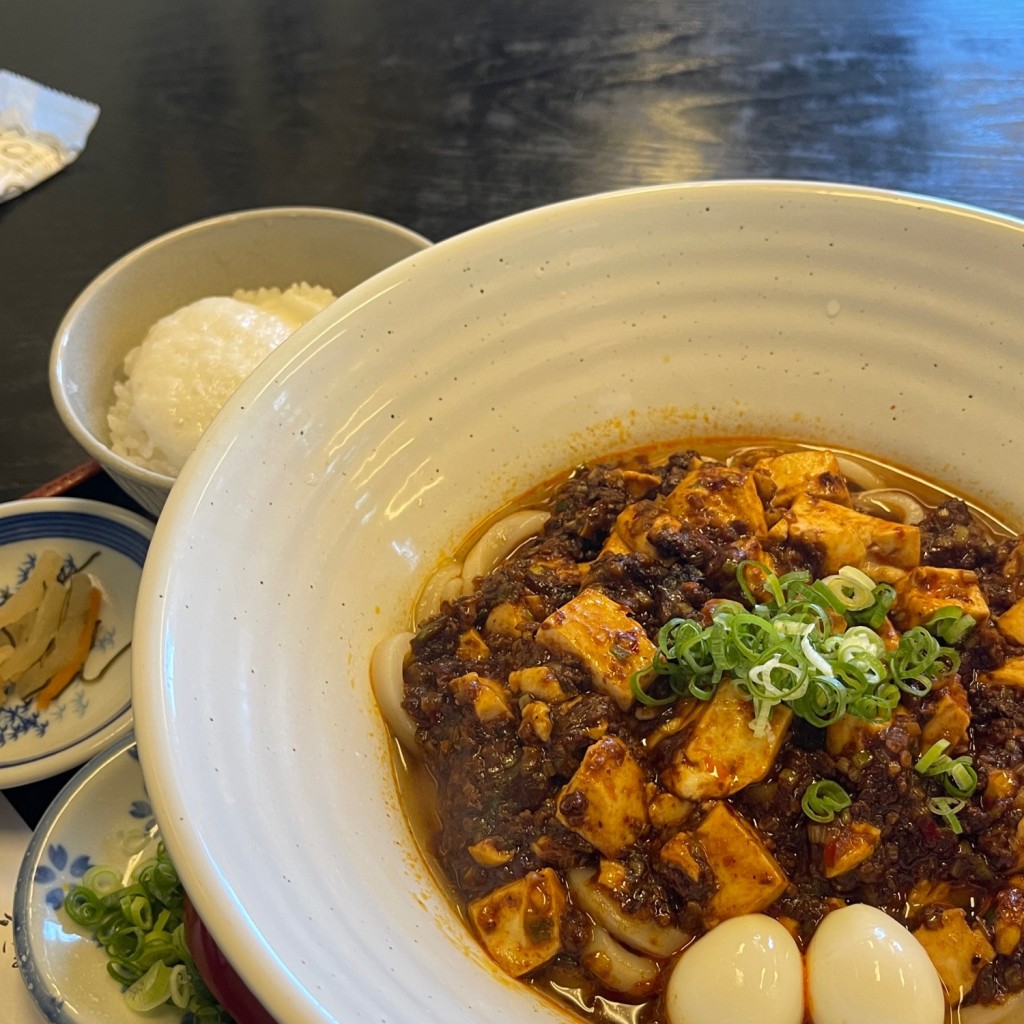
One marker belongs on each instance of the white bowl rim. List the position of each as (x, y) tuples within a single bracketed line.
[(82, 434), (225, 918)]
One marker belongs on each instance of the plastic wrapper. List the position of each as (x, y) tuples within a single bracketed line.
[(41, 132)]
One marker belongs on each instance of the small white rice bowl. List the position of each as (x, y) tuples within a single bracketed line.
[(338, 249), (192, 361)]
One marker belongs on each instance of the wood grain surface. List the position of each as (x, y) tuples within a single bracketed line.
[(445, 114)]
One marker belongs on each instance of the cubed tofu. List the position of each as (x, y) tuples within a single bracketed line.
[(847, 735), (948, 716), (631, 528), (1008, 926), (750, 548), (1011, 622), (536, 724), (721, 754), (1010, 673), (848, 846), (850, 734), (957, 951), (508, 619), (472, 647), (794, 473), (749, 878), (605, 801), (638, 483), (678, 853), (719, 496), (537, 681), (1014, 564), (1017, 847), (600, 633), (666, 810), (1002, 784), (614, 545), (684, 713), (612, 875), (667, 532), (487, 696), (519, 924), (929, 892), (488, 854), (845, 537), (926, 589)]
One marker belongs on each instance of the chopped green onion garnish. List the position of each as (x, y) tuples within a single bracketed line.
[(786, 650), (950, 624), (141, 929), (153, 989), (961, 780), (101, 880), (822, 799), (959, 776), (853, 589), (946, 807), (930, 757)]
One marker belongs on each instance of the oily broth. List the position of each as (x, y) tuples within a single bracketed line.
[(863, 472), (416, 784)]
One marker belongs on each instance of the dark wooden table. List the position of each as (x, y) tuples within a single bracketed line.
[(443, 114)]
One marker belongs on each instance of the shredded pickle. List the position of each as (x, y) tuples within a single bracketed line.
[(788, 648)]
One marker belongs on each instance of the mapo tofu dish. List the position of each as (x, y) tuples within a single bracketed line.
[(676, 702)]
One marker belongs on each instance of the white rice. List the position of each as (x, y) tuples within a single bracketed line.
[(190, 363)]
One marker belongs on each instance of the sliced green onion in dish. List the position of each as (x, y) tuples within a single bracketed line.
[(930, 762), (811, 645), (823, 799), (958, 774), (102, 880), (961, 780), (950, 624), (140, 926), (947, 808), (854, 590)]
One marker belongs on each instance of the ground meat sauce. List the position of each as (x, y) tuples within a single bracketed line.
[(505, 808)]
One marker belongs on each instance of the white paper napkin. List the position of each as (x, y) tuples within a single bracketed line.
[(16, 1005)]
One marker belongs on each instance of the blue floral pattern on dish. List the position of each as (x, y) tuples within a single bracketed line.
[(59, 870), (24, 719), (50, 874), (143, 811), (18, 719)]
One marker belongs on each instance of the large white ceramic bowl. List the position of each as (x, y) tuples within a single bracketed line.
[(373, 441)]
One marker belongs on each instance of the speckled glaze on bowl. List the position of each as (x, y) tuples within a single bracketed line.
[(275, 246), (367, 446)]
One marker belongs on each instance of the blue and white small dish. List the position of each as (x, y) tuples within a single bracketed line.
[(102, 816), (88, 716)]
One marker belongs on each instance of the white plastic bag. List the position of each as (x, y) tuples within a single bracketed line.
[(41, 132)]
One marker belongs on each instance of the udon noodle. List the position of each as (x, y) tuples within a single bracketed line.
[(763, 684)]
